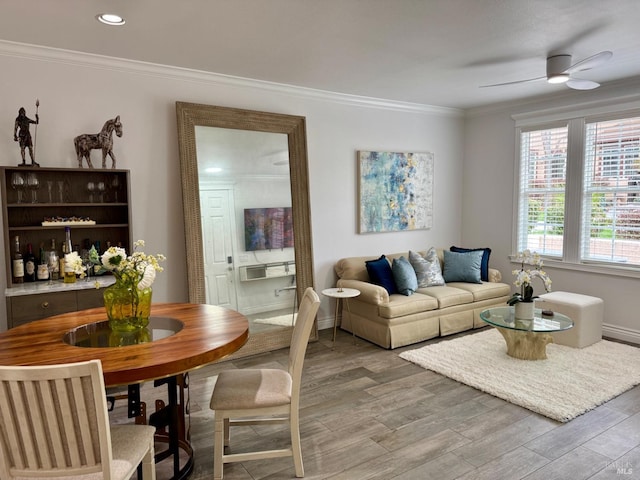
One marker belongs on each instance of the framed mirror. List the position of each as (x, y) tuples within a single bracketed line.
[(245, 192)]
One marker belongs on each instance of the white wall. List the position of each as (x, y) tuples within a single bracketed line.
[(78, 93), (488, 202)]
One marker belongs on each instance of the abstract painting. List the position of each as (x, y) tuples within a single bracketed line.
[(395, 191)]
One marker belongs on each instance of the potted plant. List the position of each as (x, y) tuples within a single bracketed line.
[(523, 301)]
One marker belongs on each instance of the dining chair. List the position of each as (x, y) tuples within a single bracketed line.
[(54, 423), (239, 396)]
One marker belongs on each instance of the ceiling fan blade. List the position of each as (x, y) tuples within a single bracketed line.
[(513, 83), (590, 62), (580, 84)]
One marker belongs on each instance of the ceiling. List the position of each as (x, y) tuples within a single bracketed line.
[(432, 52)]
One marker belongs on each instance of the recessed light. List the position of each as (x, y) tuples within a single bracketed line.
[(213, 170), (110, 19)]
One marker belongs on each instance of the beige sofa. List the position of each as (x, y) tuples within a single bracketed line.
[(396, 320)]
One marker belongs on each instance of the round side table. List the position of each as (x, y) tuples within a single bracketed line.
[(341, 294)]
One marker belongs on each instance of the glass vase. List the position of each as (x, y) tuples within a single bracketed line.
[(128, 308)]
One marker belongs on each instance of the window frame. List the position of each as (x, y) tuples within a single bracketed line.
[(576, 120)]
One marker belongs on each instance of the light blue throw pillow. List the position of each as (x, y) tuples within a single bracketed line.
[(404, 276), (462, 266)]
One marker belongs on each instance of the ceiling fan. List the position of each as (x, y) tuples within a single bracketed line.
[(560, 69)]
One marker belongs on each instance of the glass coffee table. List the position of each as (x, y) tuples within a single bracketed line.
[(526, 339)]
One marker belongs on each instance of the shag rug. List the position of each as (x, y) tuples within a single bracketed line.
[(568, 383), (281, 320)]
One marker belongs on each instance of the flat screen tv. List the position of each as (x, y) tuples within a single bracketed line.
[(267, 228)]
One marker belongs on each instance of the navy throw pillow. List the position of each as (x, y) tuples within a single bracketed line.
[(484, 265), (380, 273)]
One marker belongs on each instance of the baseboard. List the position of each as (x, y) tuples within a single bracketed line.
[(621, 333), (326, 322)]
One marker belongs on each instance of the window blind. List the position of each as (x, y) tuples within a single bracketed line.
[(611, 192), (543, 166)]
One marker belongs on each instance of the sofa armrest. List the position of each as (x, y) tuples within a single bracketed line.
[(495, 275), (369, 293)]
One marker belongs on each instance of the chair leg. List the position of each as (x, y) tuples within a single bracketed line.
[(218, 446), (295, 444), (227, 434), (149, 464)]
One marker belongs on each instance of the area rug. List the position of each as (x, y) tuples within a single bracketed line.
[(568, 383), (281, 320)]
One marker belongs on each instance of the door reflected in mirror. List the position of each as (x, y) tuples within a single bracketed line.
[(247, 225)]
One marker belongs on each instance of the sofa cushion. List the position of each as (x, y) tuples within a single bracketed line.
[(427, 268), (462, 267), (404, 276), (483, 291), (447, 296), (380, 273), (484, 266), (399, 305)]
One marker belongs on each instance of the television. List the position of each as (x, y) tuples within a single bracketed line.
[(268, 228)]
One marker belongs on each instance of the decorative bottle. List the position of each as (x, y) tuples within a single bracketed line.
[(18, 262), (69, 274), (43, 270), (29, 265)]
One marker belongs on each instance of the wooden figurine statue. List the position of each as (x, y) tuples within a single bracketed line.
[(22, 135), (103, 141)]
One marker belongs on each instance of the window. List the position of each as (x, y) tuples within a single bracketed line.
[(579, 190), (543, 160)]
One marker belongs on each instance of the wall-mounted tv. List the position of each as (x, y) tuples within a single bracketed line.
[(267, 228)]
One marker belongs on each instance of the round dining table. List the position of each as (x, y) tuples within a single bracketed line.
[(180, 337)]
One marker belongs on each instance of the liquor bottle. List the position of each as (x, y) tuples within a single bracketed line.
[(29, 265), (63, 249), (54, 260), (69, 274), (67, 240), (43, 271), (18, 262)]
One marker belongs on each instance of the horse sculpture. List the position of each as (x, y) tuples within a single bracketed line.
[(104, 140)]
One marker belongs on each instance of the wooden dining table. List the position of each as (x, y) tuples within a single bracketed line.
[(180, 337)]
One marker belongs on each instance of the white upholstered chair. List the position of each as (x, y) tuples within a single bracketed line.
[(239, 396), (54, 423)]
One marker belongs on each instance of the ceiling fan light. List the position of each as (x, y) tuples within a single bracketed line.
[(558, 78)]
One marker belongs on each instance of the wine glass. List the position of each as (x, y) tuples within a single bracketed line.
[(115, 185), (91, 187), (33, 184), (17, 183), (49, 189), (101, 188)]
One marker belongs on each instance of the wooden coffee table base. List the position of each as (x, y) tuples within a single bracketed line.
[(526, 345)]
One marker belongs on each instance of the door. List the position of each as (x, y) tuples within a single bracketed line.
[(217, 225)]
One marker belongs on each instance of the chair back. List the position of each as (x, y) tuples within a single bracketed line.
[(300, 338), (54, 421)]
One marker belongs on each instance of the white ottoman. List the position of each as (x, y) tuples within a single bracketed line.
[(585, 311)]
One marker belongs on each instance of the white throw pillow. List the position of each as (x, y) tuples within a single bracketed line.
[(427, 268)]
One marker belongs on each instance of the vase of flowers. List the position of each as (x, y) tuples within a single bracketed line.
[(128, 301), (73, 267), (523, 301)]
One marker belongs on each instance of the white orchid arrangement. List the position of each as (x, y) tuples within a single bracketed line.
[(524, 278), (73, 263), (137, 270)]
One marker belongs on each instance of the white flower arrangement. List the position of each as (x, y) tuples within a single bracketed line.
[(73, 263), (524, 278), (137, 270)]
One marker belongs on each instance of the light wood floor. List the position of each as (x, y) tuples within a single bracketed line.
[(368, 414)]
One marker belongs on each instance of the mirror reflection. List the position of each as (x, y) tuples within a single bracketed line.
[(246, 208), (247, 228)]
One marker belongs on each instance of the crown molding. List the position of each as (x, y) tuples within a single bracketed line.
[(72, 57)]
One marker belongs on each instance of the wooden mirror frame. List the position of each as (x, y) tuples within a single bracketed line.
[(190, 115)]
